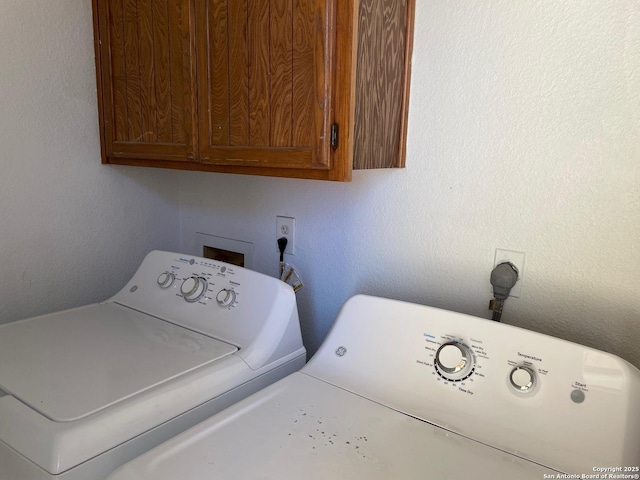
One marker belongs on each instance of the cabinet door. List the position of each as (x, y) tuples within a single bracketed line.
[(146, 76), (385, 43), (265, 71)]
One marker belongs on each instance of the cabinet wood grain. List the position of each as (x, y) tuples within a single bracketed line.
[(262, 102), (385, 31), (254, 86), (146, 79)]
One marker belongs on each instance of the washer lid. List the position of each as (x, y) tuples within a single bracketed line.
[(70, 364)]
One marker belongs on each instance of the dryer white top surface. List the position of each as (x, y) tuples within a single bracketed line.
[(302, 427), (70, 364)]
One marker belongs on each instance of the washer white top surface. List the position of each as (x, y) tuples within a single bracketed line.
[(70, 364), (302, 427)]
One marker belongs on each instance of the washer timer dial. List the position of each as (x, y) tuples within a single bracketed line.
[(454, 361), (193, 288)]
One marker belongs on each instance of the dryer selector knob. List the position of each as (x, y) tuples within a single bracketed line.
[(193, 288), (454, 361), (165, 280), (226, 297)]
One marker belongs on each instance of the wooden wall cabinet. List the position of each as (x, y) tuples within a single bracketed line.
[(290, 88)]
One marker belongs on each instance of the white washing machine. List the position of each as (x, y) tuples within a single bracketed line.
[(402, 391), (82, 391)]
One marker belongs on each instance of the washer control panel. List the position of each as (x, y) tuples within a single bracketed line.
[(218, 299), (200, 286)]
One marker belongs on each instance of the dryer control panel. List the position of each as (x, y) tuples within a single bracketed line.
[(525, 393)]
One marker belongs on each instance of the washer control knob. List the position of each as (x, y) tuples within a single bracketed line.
[(193, 288), (522, 379), (454, 361), (226, 297), (165, 280)]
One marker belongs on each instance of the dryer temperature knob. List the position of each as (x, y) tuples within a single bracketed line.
[(522, 379), (225, 297), (193, 288)]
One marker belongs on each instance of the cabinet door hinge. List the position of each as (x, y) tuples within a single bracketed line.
[(334, 136)]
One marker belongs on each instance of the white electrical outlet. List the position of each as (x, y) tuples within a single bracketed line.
[(516, 258), (286, 227)]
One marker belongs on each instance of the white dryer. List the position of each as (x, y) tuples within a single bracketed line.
[(401, 391), (84, 390)]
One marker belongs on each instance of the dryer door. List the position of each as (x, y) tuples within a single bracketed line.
[(302, 427)]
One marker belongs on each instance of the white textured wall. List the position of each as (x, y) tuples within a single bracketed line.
[(72, 231), (524, 134)]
